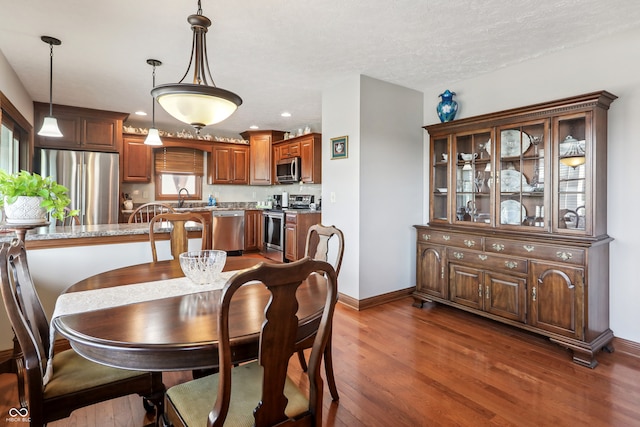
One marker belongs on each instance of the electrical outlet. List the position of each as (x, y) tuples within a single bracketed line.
[(145, 194), (254, 195), (333, 197)]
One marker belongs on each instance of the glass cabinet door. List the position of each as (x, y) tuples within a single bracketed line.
[(571, 134), (521, 176), (472, 176), (439, 179)]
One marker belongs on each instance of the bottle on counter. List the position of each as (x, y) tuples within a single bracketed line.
[(212, 200)]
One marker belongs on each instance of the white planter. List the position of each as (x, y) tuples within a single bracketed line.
[(25, 210)]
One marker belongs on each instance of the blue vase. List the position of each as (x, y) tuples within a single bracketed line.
[(447, 108)]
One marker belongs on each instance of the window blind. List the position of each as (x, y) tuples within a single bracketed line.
[(179, 160)]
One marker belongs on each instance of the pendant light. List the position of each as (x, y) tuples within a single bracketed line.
[(153, 137), (199, 103), (50, 124)]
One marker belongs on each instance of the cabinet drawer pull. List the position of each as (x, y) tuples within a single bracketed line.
[(534, 293), (446, 237), (426, 237), (529, 248), (499, 247), (458, 255), (469, 243), (511, 264), (483, 257), (480, 290), (565, 256), (486, 292)]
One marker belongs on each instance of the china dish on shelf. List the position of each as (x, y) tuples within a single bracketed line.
[(512, 212), (512, 180), (510, 143)]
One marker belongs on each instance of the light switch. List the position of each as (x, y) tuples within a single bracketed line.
[(333, 197)]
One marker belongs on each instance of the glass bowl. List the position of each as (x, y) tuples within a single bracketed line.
[(202, 267)]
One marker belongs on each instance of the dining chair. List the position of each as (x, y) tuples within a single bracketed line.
[(145, 212), (76, 382), (260, 393), (318, 247), (177, 222)]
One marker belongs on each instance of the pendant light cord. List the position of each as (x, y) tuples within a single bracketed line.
[(153, 105), (51, 80)]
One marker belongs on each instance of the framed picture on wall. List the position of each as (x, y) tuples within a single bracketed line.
[(339, 147)]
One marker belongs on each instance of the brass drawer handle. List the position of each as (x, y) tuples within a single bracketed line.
[(511, 264), (565, 256), (534, 294), (483, 257), (499, 247), (426, 237), (445, 237), (486, 292), (458, 255), (469, 243), (529, 248)]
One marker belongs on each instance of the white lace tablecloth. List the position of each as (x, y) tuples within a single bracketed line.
[(98, 299)]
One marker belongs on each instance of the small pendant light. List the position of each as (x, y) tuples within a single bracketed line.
[(50, 124), (153, 137)]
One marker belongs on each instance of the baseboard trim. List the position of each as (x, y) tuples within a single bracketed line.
[(630, 348), (363, 304)]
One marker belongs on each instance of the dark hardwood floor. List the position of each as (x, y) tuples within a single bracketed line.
[(397, 365)]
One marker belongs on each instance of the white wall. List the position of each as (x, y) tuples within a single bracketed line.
[(378, 187), (610, 64), (12, 88)]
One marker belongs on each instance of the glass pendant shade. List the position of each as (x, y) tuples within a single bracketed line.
[(573, 161), (153, 137), (50, 128), (574, 155), (197, 103)]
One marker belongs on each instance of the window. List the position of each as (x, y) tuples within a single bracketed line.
[(14, 138), (177, 168)]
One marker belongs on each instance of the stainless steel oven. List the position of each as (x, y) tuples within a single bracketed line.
[(273, 234)]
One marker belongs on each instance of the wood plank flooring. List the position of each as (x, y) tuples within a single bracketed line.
[(397, 365)]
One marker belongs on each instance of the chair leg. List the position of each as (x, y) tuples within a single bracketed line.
[(328, 369), (303, 362)]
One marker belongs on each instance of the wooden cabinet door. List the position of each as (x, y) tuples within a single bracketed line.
[(505, 295), (221, 164), (556, 299), (230, 164), (311, 159), (239, 172), (465, 286), (99, 134), (291, 242), (136, 160), (431, 275), (252, 230), (260, 161)]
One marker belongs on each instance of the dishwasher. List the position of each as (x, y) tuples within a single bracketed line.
[(227, 231)]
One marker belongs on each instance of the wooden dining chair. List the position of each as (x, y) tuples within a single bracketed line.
[(260, 393), (178, 231), (318, 247), (76, 382), (145, 212)]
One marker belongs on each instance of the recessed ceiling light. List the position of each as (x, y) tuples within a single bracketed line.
[(286, 114), (140, 113), (253, 127)]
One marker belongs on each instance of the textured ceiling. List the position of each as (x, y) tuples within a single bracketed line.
[(279, 55)]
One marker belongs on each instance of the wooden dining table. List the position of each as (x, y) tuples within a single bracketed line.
[(180, 332)]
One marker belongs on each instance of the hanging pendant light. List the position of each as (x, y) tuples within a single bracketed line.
[(574, 155), (50, 124), (199, 103), (153, 137)]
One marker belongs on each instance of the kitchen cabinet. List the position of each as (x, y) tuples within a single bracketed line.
[(309, 148), (295, 233), (229, 165), (252, 230), (261, 159), (82, 128), (517, 221), (137, 159)]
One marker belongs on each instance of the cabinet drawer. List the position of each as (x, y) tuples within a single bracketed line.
[(535, 250), (487, 261), (451, 239), (291, 218)]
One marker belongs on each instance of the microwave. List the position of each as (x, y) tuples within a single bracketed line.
[(288, 170)]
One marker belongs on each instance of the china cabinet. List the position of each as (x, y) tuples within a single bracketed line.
[(517, 220)]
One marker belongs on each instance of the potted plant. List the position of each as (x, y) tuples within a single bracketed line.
[(27, 197)]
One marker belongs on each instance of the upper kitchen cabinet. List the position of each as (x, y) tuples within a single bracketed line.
[(82, 128), (309, 148), (261, 161), (229, 164), (136, 159)]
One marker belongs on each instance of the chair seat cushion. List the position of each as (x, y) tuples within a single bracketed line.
[(73, 373), (194, 400)]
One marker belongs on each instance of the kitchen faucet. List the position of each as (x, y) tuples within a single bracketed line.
[(180, 198)]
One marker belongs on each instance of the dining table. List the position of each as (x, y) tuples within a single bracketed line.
[(171, 333)]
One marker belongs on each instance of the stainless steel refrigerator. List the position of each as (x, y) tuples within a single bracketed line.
[(92, 179)]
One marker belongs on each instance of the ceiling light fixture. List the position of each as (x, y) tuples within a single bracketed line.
[(50, 124), (199, 103), (286, 114), (153, 137), (574, 155)]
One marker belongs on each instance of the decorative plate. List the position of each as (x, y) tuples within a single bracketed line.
[(510, 143), (512, 180), (512, 212)]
